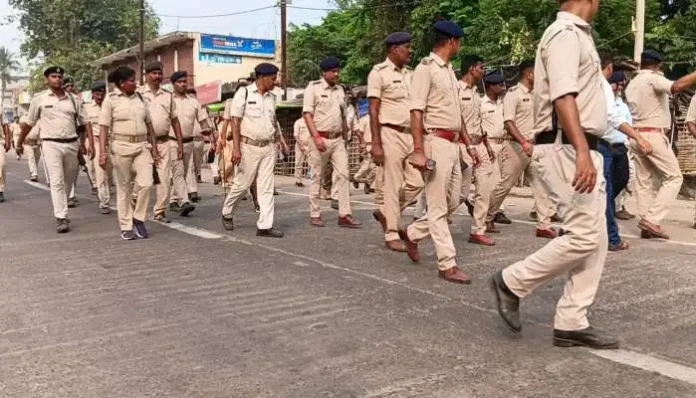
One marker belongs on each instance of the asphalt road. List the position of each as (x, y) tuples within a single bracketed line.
[(199, 312)]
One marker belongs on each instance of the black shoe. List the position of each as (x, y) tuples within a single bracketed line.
[(299, 184), (128, 235), (104, 210), (161, 217), (193, 197), (217, 180), (508, 304), (275, 192), (72, 203), (334, 204), (34, 179), (501, 218), (368, 190), (94, 191), (2, 197), (469, 208), (228, 223), (356, 184), (588, 337), (186, 209), (140, 229), (269, 233), (63, 226), (533, 216), (199, 180), (174, 207)]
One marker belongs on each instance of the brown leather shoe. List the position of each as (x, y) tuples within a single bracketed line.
[(348, 222), (455, 275), (411, 247), (491, 229), (396, 246), (316, 222), (377, 214), (620, 247), (653, 229), (481, 240), (546, 233)]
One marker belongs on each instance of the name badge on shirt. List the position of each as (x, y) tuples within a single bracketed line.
[(324, 96), (251, 102), (48, 106), (466, 99), (525, 100), (396, 81)]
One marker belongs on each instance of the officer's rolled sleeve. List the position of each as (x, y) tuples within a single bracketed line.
[(308, 104), (238, 103), (420, 87), (661, 84), (106, 113), (563, 64), (33, 115), (510, 106), (374, 85)]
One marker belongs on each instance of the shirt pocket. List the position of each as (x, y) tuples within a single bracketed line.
[(395, 89), (253, 110), (325, 104)]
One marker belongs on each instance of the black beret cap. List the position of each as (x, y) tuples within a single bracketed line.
[(651, 55), (526, 65), (180, 74), (68, 80), (494, 77), (330, 63), (398, 38), (99, 86), (153, 66), (120, 74), (265, 69), (54, 69), (448, 28), (616, 77)]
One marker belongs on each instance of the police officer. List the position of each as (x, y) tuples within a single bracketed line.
[(126, 124), (302, 138), (7, 145), (324, 110), (164, 119), (517, 152), (570, 116), (255, 129), (69, 87), (647, 96), (436, 125), (389, 92), (193, 177), (15, 131), (102, 177), (491, 143), (59, 118), (32, 148), (189, 113)]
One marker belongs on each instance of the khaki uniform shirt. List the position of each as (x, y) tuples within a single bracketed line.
[(162, 109), (435, 92), (327, 105), (124, 115), (392, 86), (471, 108), (301, 132), (518, 108), (492, 118), (364, 128), (93, 112), (691, 113), (56, 117), (568, 63), (647, 97), (257, 113), (189, 113)]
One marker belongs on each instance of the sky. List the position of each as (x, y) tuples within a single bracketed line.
[(263, 24)]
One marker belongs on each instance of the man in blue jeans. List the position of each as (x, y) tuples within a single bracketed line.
[(613, 148)]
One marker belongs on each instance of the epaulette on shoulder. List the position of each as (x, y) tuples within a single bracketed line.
[(513, 89), (380, 66), (315, 82), (426, 61)]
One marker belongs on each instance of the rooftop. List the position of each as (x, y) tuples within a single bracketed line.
[(152, 45)]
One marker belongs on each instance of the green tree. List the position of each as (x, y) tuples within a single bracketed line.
[(74, 33), (8, 65)]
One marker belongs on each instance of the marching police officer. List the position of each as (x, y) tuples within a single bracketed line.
[(647, 96), (59, 118), (388, 90), (324, 110), (102, 176), (126, 127), (570, 116), (436, 125), (255, 130), (7, 145), (302, 137)]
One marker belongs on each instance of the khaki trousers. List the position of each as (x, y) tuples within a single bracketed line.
[(366, 171), (517, 162), (62, 167), (580, 252), (102, 179), (194, 167), (467, 173), (3, 174), (654, 207), (379, 185), (486, 176), (257, 164), (133, 170), (164, 170), (442, 189), (300, 159), (33, 153), (179, 189), (399, 175), (337, 156)]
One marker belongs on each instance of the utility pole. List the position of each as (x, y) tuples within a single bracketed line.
[(284, 47), (142, 42), (639, 30)]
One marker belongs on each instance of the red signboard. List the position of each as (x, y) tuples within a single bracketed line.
[(209, 93)]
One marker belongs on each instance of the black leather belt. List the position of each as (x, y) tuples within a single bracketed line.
[(61, 140), (549, 137), (187, 140)]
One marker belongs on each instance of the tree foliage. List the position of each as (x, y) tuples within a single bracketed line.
[(74, 33), (8, 66), (502, 31)]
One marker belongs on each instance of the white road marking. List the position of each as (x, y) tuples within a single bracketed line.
[(649, 363), (201, 233), (38, 185)]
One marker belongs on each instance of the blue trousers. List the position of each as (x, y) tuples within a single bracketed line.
[(616, 175)]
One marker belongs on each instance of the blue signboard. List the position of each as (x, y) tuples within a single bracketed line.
[(237, 46), (219, 58)]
